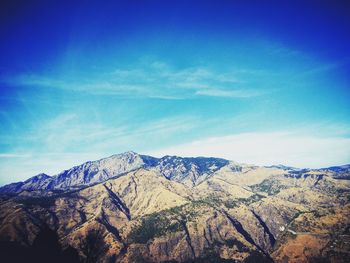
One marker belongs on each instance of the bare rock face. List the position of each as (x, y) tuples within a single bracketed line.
[(79, 176), (39, 181), (189, 171), (175, 209)]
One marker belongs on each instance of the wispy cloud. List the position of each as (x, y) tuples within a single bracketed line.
[(227, 93), (14, 155), (323, 68), (66, 140), (319, 69), (69, 133), (154, 80)]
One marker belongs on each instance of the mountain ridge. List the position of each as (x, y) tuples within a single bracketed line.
[(92, 172), (97, 171), (175, 209)]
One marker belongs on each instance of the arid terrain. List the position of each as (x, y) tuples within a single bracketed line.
[(175, 209)]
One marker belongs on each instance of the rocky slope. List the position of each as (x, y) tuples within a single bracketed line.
[(175, 209), (186, 170)]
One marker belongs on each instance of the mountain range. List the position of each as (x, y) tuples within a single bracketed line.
[(177, 209)]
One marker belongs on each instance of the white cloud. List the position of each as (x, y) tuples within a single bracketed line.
[(299, 150)]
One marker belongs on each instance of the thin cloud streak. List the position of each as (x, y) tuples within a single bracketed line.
[(14, 155), (67, 132), (157, 80), (227, 93)]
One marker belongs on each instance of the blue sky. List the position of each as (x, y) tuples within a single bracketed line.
[(263, 83)]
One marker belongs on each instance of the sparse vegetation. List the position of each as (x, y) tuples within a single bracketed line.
[(153, 225), (210, 200), (47, 201), (168, 220), (252, 199), (44, 202), (269, 186), (234, 242), (230, 203)]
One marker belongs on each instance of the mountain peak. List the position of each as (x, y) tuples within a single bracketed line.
[(125, 154), (128, 153), (41, 176), (186, 170)]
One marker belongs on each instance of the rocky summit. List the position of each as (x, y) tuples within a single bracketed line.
[(175, 209)]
